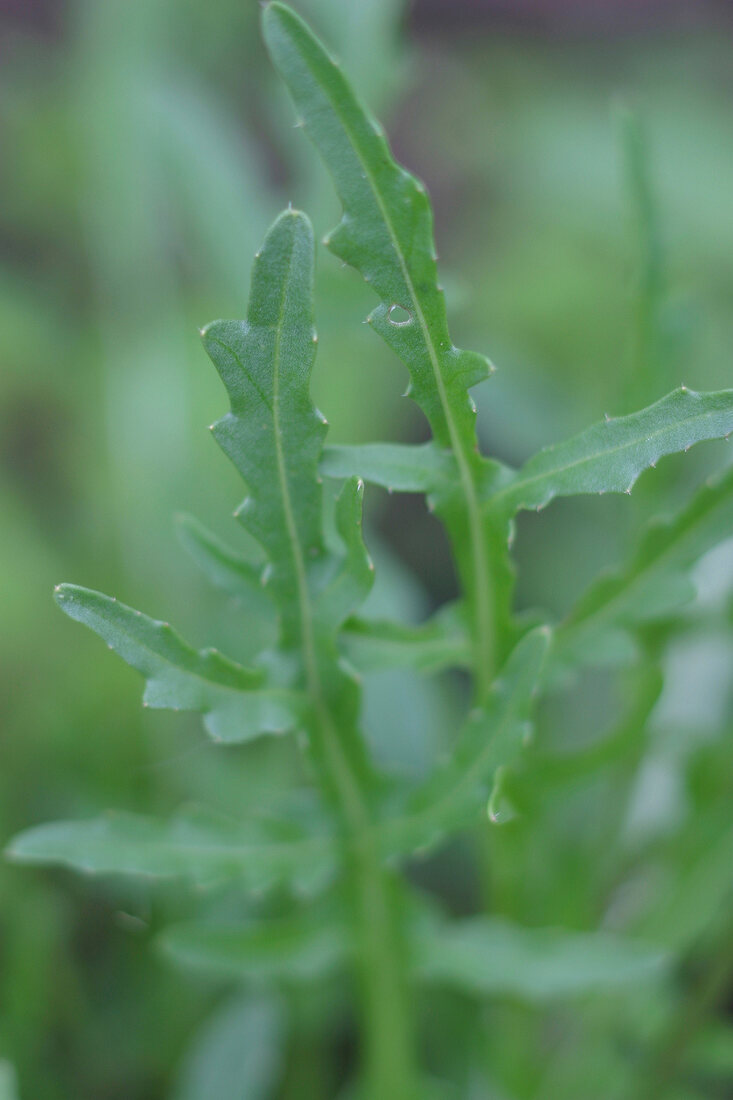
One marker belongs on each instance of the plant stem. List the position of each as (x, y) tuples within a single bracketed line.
[(389, 1048), (478, 581), (389, 1062), (390, 1069)]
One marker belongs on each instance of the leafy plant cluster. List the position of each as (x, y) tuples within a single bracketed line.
[(333, 869)]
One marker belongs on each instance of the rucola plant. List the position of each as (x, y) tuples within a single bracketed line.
[(349, 844)]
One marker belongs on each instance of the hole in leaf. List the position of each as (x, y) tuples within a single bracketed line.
[(399, 316)]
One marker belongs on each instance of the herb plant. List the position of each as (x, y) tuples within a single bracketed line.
[(340, 850)]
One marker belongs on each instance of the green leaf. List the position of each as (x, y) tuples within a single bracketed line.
[(295, 949), (490, 956), (223, 567), (441, 642), (386, 233), (355, 574), (235, 702), (274, 434), (237, 1054), (610, 456), (259, 852), (398, 467), (493, 737), (655, 582)]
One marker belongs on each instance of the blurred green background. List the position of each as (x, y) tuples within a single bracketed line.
[(580, 160)]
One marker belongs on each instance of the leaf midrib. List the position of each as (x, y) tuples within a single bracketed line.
[(177, 848), (169, 663), (354, 805), (485, 656), (521, 484)]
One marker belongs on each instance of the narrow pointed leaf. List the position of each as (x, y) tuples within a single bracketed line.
[(386, 233), (235, 702), (199, 847), (655, 582), (490, 956), (223, 567), (296, 949), (274, 434), (610, 456), (401, 467), (492, 737)]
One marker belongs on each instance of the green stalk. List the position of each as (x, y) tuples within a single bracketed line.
[(390, 1068), (479, 581), (389, 1058)]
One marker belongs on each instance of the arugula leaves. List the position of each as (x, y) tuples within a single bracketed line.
[(609, 457), (316, 577), (196, 845), (386, 233), (236, 702), (273, 433)]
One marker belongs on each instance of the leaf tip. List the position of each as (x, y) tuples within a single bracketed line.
[(64, 592)]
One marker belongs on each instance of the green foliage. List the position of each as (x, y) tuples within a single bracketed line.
[(609, 457), (386, 234), (386, 231), (325, 881), (441, 642), (656, 581), (485, 955), (195, 845), (491, 739), (231, 698), (290, 950), (223, 567), (273, 434)]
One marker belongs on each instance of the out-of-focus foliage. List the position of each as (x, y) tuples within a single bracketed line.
[(579, 247)]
